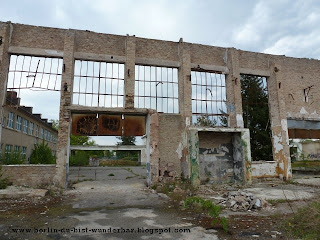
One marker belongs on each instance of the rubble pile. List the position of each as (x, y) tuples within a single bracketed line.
[(242, 201)]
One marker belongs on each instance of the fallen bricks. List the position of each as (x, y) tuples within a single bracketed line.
[(241, 201)]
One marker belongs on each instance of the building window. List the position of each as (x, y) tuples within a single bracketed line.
[(10, 120), (25, 125), (31, 128), (209, 101), (8, 148), (49, 136), (98, 84), (41, 133), (24, 152), (37, 130), (156, 88), (16, 149), (18, 123), (45, 135)]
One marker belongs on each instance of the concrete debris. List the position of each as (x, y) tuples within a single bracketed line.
[(242, 201)]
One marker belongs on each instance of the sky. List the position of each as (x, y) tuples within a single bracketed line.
[(282, 27)]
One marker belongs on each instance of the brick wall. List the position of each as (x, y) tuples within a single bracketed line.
[(29, 175)]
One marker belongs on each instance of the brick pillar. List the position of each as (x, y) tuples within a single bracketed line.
[(4, 66), (233, 85), (62, 164), (154, 147), (185, 107), (129, 74), (279, 128), (185, 104)]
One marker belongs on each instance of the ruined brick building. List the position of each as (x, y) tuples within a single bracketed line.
[(160, 89)]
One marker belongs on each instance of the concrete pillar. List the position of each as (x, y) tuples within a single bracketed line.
[(233, 85), (129, 73), (63, 145), (279, 128), (194, 157), (4, 66)]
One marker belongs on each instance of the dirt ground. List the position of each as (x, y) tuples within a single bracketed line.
[(123, 200)]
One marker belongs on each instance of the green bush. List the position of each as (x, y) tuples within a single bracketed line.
[(12, 158), (80, 158), (42, 154), (4, 182)]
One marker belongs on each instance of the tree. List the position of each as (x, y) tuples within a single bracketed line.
[(42, 154), (127, 140), (81, 140), (55, 124), (256, 116)]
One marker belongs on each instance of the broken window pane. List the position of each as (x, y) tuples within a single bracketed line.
[(209, 99), (98, 84), (156, 88)]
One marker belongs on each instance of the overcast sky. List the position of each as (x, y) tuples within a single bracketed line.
[(285, 27)]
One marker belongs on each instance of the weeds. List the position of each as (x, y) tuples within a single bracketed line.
[(305, 224), (82, 180), (208, 206), (4, 182)]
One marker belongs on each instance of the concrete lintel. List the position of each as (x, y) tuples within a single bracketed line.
[(99, 57), (157, 62), (256, 72), (303, 124), (110, 148), (35, 52), (82, 109), (199, 129), (206, 67)]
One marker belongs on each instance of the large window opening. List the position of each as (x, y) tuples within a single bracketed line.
[(209, 99), (156, 88), (255, 109), (98, 84), (32, 99)]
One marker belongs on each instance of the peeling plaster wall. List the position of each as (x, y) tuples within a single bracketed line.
[(216, 157), (264, 169)]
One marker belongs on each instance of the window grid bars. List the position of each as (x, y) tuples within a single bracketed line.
[(209, 97), (109, 92), (34, 73), (149, 94)]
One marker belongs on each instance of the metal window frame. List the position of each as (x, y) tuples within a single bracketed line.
[(214, 108), (103, 80), (160, 100)]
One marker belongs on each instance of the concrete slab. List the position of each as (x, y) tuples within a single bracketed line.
[(276, 193), (309, 180), (20, 192)]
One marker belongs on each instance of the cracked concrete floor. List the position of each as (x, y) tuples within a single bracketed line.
[(115, 205)]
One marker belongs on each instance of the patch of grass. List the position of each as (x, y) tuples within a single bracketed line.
[(209, 207), (275, 201), (290, 182), (307, 164), (110, 174), (117, 163), (305, 224), (82, 180)]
